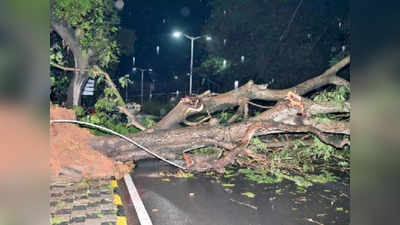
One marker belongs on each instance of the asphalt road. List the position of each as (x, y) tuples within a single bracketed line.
[(205, 201)]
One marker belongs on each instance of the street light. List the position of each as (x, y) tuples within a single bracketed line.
[(142, 72), (178, 34)]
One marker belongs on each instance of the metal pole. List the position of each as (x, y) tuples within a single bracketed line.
[(191, 65), (150, 95), (126, 93), (141, 91)]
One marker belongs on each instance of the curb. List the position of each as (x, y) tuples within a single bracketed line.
[(121, 218)]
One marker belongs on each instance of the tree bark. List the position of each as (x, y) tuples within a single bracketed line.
[(171, 143), (81, 61)]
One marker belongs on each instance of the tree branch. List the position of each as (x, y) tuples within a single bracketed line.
[(122, 107), (68, 68), (252, 91)]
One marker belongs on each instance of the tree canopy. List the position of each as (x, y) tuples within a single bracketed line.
[(95, 24), (260, 39)]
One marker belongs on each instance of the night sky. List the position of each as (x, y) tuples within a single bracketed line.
[(153, 22)]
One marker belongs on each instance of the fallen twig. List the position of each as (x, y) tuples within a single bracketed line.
[(245, 204), (313, 221)]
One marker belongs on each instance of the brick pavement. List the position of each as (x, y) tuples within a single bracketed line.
[(88, 202)]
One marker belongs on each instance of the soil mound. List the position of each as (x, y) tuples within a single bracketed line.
[(72, 157)]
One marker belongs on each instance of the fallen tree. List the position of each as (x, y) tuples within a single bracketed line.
[(208, 102), (291, 114)]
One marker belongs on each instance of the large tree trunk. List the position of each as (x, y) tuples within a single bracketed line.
[(81, 62), (282, 118)]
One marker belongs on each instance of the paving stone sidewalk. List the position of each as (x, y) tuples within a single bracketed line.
[(88, 202)]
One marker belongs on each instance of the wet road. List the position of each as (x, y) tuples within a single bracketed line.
[(204, 200)]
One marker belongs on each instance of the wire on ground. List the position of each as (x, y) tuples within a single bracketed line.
[(121, 136)]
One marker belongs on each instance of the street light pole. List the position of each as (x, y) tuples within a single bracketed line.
[(191, 65), (177, 34), (141, 91), (142, 75)]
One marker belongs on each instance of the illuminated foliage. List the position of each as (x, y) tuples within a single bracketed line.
[(95, 23)]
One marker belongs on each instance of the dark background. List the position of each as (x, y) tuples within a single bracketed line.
[(153, 22)]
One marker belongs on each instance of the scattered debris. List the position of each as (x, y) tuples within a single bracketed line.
[(313, 221), (245, 204), (228, 190), (228, 185), (249, 194)]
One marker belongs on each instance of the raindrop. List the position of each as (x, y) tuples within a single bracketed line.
[(185, 11), (242, 58), (224, 12), (158, 50), (340, 24), (224, 63), (343, 48), (133, 60), (224, 42), (308, 35), (164, 20), (236, 84), (119, 4)]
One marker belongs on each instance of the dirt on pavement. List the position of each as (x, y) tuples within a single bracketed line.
[(70, 154)]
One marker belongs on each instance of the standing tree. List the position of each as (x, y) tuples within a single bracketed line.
[(88, 28)]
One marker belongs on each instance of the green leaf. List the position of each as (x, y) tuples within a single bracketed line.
[(249, 194), (52, 80)]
